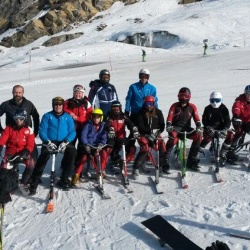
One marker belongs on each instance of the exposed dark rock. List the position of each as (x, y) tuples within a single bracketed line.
[(61, 39)]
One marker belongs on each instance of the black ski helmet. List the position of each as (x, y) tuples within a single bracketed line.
[(116, 104), (184, 95), (104, 72), (20, 114)]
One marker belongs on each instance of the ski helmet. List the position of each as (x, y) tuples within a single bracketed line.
[(116, 107), (144, 72), (215, 99), (79, 87), (149, 102), (57, 101), (20, 114), (104, 72), (97, 112), (184, 95)]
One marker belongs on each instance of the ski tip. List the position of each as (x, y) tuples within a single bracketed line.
[(50, 207)]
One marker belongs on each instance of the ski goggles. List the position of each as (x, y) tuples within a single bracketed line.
[(148, 104), (215, 100), (184, 96), (19, 117), (79, 88), (144, 76)]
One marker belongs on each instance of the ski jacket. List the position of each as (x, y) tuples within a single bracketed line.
[(55, 127), (17, 139), (9, 107), (119, 123), (136, 94), (241, 108), (147, 122), (180, 116), (92, 135), (82, 109), (217, 118), (101, 95)]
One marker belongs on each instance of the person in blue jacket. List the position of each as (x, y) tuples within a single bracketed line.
[(93, 134), (136, 94), (102, 93), (135, 98), (57, 131)]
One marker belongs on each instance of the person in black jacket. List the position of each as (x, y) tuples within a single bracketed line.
[(19, 101), (215, 117), (102, 93), (151, 124)]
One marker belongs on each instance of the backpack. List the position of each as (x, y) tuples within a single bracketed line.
[(8, 183)]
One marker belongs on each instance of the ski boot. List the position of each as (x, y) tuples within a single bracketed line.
[(193, 163), (136, 173), (64, 183), (75, 179)]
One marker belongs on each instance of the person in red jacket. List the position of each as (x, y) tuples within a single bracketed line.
[(19, 140), (241, 124), (116, 124), (80, 110), (179, 120)]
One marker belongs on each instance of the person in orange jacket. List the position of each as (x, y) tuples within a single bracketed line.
[(19, 140)]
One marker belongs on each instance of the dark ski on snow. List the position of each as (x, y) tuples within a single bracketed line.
[(102, 192), (168, 234)]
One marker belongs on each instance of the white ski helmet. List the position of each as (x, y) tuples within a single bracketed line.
[(144, 72), (215, 99)]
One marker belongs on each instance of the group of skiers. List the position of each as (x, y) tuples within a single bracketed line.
[(81, 127)]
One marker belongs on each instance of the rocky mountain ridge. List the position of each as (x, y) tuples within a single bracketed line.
[(35, 19)]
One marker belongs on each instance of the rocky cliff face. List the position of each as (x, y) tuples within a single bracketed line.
[(59, 16), (33, 19)]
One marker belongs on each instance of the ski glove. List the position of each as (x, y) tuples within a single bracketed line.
[(223, 134), (111, 133), (24, 154), (62, 146), (169, 127), (151, 138), (210, 131), (199, 128), (237, 121), (51, 146), (135, 133), (100, 147), (87, 149), (218, 245)]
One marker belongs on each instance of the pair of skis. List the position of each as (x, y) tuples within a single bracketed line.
[(124, 174)]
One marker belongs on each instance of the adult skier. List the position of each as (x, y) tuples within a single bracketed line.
[(215, 117), (179, 120), (136, 95), (57, 131), (102, 93), (241, 124)]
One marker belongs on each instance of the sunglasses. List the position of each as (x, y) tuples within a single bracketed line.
[(215, 100), (144, 77), (149, 104)]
